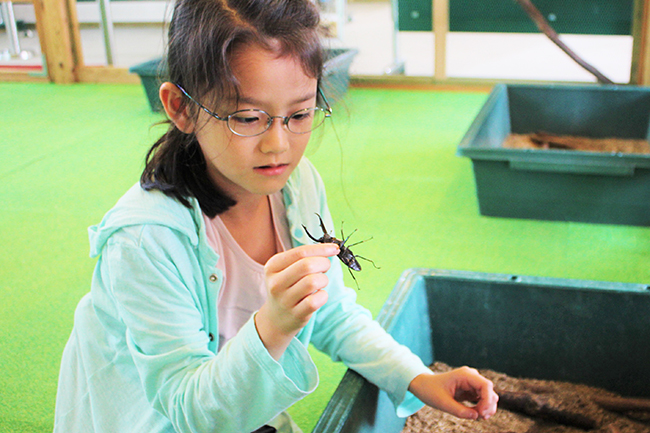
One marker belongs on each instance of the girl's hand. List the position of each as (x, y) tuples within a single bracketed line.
[(294, 280), (444, 391)]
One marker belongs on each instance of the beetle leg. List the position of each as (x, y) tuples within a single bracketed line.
[(355, 280), (360, 242), (346, 239), (367, 260)]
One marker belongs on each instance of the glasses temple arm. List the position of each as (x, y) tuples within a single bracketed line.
[(211, 113), (322, 95)]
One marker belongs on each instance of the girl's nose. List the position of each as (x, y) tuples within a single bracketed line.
[(276, 138)]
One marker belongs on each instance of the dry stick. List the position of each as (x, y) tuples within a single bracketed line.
[(623, 404), (611, 428), (539, 406), (545, 27), (553, 141)]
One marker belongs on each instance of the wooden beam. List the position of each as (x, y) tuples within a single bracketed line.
[(22, 76), (106, 74), (53, 25), (640, 73), (440, 30)]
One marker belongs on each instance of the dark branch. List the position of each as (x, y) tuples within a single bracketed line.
[(546, 28)]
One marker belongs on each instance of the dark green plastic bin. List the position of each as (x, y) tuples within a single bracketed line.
[(336, 76), (336, 72), (561, 185), (596, 333), (152, 74)]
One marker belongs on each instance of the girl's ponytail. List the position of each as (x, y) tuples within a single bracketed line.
[(175, 166)]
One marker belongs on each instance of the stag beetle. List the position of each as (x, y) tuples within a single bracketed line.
[(345, 255)]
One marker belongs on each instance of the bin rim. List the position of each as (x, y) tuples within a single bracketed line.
[(410, 277), (150, 67)]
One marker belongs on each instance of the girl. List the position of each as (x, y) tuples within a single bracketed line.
[(207, 290)]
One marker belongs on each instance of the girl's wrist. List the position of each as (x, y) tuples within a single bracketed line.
[(275, 341)]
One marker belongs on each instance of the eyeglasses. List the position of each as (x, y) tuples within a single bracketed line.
[(251, 122)]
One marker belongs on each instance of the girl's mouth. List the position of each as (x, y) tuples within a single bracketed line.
[(272, 170)]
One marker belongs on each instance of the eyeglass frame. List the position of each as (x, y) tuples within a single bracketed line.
[(285, 119)]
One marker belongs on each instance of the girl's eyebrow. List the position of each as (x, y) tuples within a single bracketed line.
[(254, 102)]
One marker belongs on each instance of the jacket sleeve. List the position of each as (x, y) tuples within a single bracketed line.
[(345, 330), (155, 282)]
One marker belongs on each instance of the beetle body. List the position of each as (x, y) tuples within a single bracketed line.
[(345, 254)]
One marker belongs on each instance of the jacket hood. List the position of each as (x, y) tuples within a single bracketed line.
[(138, 207)]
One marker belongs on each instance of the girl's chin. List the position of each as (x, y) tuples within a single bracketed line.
[(269, 187)]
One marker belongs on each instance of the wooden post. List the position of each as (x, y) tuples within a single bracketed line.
[(640, 73), (75, 35), (440, 30), (54, 25)]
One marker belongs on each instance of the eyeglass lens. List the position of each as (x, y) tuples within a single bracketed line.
[(254, 122)]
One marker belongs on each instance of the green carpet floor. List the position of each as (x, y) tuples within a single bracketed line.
[(67, 153)]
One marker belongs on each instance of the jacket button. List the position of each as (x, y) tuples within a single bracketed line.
[(213, 278)]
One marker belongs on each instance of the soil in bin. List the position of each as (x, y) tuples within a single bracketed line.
[(543, 140), (569, 397)]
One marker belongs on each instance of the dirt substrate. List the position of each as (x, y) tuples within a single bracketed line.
[(543, 140), (561, 397)]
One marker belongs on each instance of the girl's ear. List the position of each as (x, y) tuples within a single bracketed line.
[(171, 98)]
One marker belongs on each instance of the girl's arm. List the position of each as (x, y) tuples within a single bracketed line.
[(345, 331), (153, 279)]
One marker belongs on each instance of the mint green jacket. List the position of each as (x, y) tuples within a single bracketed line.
[(143, 356)]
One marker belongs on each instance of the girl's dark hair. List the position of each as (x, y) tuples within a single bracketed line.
[(203, 36)]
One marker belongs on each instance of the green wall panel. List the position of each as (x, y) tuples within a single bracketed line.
[(600, 17), (414, 15)]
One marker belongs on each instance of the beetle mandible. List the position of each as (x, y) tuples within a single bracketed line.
[(345, 254)]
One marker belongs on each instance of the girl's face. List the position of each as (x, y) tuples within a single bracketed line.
[(244, 167)]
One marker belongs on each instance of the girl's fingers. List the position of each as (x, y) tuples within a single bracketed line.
[(446, 391), (459, 410), (294, 279), (481, 391), (286, 269), (310, 303), (307, 285), (299, 281), (487, 404), (285, 259)]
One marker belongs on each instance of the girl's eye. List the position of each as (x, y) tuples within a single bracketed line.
[(302, 116), (245, 119)]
